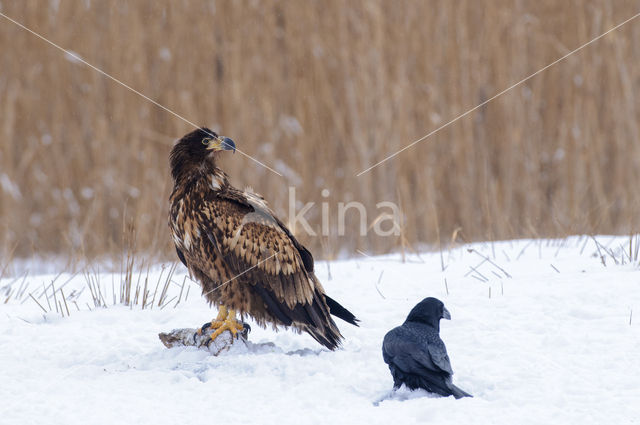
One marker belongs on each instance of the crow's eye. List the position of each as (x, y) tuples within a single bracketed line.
[(206, 141)]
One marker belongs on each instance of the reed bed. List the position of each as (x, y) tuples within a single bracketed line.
[(319, 91)]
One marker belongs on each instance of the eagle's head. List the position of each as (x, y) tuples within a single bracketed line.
[(197, 150)]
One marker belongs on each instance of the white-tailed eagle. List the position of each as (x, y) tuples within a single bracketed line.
[(244, 257)]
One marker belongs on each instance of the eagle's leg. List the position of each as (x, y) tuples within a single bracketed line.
[(215, 323), (226, 321)]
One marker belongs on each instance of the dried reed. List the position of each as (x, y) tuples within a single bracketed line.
[(320, 91)]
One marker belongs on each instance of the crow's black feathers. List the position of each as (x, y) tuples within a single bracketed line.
[(415, 353)]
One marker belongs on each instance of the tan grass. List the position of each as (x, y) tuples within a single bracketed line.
[(320, 90)]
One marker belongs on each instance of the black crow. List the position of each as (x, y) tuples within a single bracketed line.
[(415, 353)]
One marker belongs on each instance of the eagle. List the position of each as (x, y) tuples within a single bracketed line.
[(244, 257)]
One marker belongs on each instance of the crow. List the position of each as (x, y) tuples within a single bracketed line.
[(415, 353)]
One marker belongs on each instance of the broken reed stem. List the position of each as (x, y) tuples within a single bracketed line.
[(153, 299), (602, 259), (88, 282), (184, 282), (473, 269), (167, 282), (136, 295), (623, 255), (65, 302), (479, 278), (36, 301), (24, 285), (99, 300), (490, 261), (46, 295), (145, 292), (9, 260), (524, 249), (130, 238), (168, 302), (584, 246), (378, 283), (506, 256)]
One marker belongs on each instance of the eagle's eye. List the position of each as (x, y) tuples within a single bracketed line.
[(206, 141)]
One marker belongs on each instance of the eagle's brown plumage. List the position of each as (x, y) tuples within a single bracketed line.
[(244, 257)]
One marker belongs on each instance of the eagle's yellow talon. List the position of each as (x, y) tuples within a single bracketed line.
[(228, 323)]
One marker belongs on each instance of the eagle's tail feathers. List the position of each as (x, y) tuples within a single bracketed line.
[(339, 311), (330, 338)]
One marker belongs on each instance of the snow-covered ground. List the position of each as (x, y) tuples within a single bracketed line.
[(542, 332)]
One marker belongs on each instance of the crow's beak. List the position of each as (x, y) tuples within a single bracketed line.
[(446, 314)]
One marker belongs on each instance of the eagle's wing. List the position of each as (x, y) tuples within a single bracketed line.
[(181, 257), (256, 248), (247, 234), (261, 214)]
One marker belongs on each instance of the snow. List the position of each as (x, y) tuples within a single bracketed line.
[(553, 343)]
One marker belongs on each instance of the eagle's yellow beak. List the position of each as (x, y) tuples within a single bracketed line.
[(221, 144)]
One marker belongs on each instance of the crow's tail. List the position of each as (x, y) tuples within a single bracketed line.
[(458, 393)]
